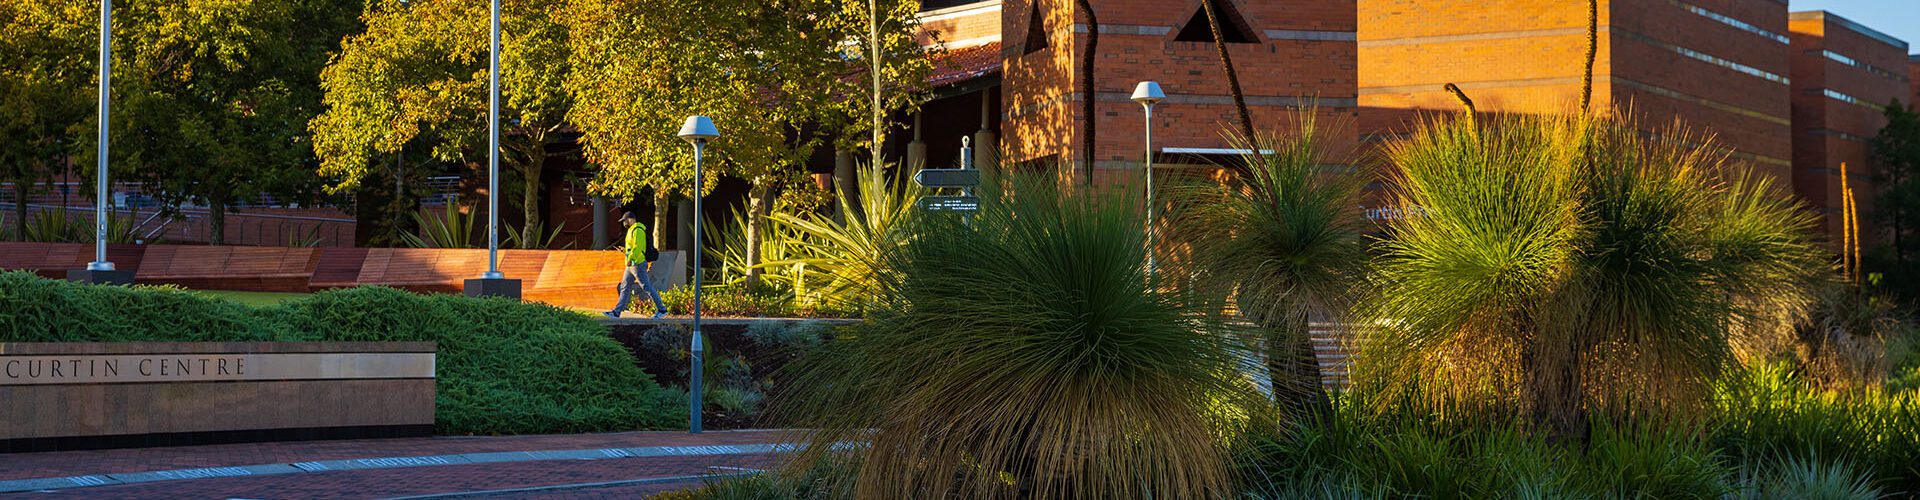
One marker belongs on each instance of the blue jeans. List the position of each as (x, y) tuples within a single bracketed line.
[(638, 275)]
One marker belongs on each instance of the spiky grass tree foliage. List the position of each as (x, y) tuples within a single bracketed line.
[(1028, 356), (1289, 242), (1565, 262), (842, 253)]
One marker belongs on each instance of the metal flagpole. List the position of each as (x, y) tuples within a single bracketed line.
[(493, 146), (101, 196)]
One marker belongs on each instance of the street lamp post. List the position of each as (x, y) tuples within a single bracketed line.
[(697, 130), (101, 270), (493, 283), (1147, 94)]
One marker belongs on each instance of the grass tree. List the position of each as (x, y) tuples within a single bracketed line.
[(1288, 242), (1027, 355), (1568, 262)]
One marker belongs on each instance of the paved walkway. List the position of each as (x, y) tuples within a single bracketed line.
[(623, 465)]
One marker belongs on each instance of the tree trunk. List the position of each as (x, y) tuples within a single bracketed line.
[(873, 72), (530, 230), (759, 204), (660, 201), (20, 211), (1087, 88), (1233, 83), (216, 221)]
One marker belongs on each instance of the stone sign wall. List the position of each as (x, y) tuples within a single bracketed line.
[(87, 395)]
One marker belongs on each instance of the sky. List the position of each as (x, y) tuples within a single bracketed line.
[(1900, 18)]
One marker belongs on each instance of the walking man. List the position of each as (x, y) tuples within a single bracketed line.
[(640, 256)]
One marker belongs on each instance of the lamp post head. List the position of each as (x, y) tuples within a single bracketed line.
[(1148, 93), (698, 129)]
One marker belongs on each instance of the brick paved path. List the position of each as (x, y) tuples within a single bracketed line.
[(392, 482)]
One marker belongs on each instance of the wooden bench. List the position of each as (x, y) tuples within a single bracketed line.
[(53, 260), (257, 269)]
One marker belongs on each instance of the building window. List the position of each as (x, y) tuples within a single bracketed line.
[(1233, 26)]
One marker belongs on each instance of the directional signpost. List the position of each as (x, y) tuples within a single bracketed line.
[(963, 178)]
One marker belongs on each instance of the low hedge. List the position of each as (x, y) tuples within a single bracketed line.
[(504, 367)]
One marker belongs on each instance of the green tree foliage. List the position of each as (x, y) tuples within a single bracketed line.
[(212, 97), (419, 71), (1028, 355), (1562, 263), (1289, 244), (1896, 151), (771, 73), (45, 81)]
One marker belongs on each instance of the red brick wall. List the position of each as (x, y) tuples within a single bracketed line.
[(1829, 131), (962, 26), (1288, 67), (1527, 56)]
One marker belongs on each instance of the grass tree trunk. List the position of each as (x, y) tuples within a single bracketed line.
[(1233, 77), (1087, 88), (759, 204), (1553, 388), (1293, 370)]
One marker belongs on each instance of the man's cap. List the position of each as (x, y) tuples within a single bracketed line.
[(629, 215)]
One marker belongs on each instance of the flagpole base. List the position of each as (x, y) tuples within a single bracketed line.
[(493, 287)]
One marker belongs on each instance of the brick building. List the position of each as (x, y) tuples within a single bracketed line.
[(1719, 66), (1288, 53), (1844, 75)]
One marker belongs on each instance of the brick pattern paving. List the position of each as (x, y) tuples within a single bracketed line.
[(385, 483), (74, 463)]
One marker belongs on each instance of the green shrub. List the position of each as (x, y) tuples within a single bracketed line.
[(503, 366)]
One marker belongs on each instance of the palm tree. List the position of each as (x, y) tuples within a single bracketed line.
[(1027, 355), (1289, 243), (1570, 262)]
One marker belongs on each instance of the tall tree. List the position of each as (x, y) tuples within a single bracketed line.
[(1233, 77), (44, 83), (769, 72), (1896, 151), (215, 94), (420, 71)]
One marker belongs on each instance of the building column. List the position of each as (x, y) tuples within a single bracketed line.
[(986, 144), (916, 150)]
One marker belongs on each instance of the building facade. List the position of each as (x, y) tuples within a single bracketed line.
[(1844, 76), (1717, 66), (1289, 55)]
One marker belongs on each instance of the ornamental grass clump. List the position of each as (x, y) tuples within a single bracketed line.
[(1564, 263), (1028, 355)]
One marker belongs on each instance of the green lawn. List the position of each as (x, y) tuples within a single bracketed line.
[(252, 298)]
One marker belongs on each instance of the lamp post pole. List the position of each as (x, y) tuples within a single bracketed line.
[(1147, 94), (697, 130), (493, 143), (493, 283), (101, 270), (100, 262)]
